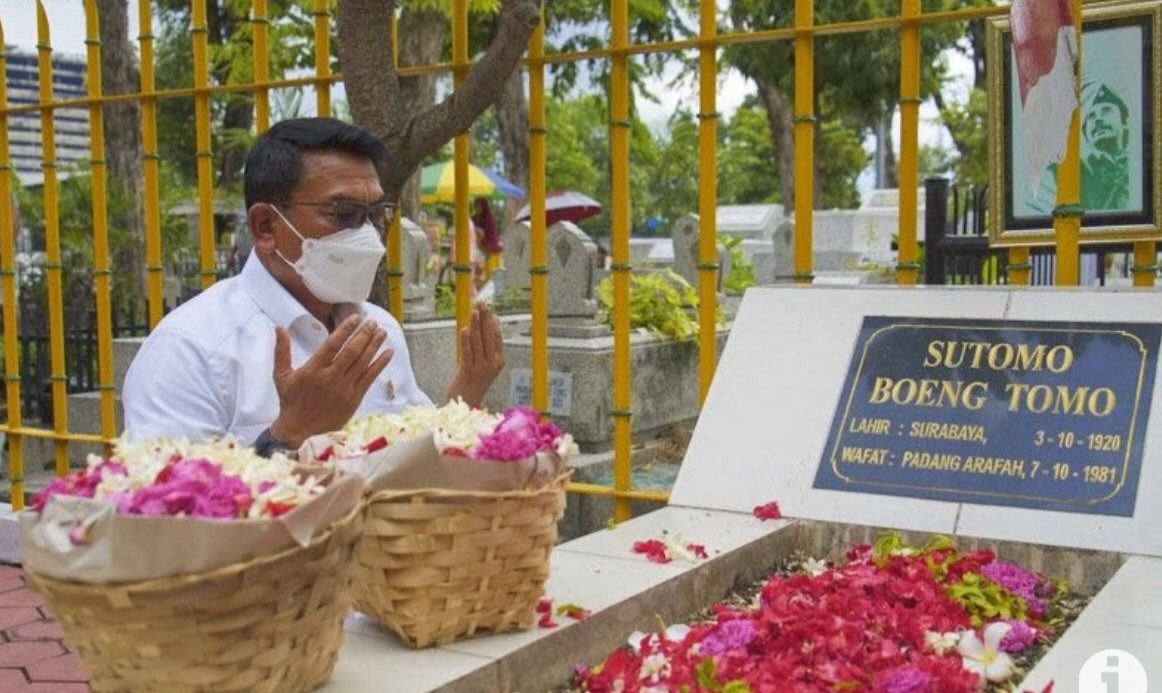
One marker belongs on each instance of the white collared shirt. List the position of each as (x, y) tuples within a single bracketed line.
[(207, 368)]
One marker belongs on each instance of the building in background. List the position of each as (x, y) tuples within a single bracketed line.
[(71, 125)]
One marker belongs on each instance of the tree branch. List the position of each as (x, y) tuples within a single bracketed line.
[(426, 132)]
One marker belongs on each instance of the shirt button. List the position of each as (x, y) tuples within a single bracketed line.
[(316, 327)]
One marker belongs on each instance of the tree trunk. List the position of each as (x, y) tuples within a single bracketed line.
[(423, 34), (891, 170), (123, 148), (512, 115), (783, 137)]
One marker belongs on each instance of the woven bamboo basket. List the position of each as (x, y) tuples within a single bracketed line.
[(436, 565), (274, 623)]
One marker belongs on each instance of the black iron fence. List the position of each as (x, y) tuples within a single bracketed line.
[(956, 248)]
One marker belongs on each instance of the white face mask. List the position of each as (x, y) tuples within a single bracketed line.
[(338, 268)]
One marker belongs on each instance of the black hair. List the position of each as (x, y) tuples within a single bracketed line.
[(274, 164)]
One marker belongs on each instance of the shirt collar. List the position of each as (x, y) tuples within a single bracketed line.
[(271, 296)]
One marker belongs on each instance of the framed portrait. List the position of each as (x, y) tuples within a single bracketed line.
[(1120, 142)]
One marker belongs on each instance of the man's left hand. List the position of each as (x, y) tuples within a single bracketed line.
[(481, 357)]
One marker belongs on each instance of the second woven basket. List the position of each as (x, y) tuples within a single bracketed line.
[(436, 565)]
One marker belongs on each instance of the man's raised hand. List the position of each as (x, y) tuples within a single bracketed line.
[(324, 392)]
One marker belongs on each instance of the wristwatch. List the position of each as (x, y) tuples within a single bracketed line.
[(266, 444)]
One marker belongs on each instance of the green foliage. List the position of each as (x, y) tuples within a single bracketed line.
[(741, 276), (985, 600), (748, 172), (707, 677), (890, 543), (968, 123), (513, 299), (445, 300), (840, 157), (659, 301)]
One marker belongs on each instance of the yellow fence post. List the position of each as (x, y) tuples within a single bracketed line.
[(52, 233), (260, 23), (8, 295), (102, 274), (1145, 267), (394, 238), (1068, 212), (154, 270), (322, 58), (708, 268), (538, 239), (907, 267), (1019, 266), (205, 155), (619, 126), (462, 252), (804, 139)]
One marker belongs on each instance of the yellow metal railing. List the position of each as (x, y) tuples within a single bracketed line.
[(909, 22)]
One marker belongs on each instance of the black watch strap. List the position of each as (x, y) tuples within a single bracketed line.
[(266, 444)]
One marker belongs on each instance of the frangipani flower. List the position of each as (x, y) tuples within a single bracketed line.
[(985, 658)]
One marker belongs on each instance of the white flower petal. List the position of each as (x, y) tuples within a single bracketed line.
[(1000, 668), (970, 646), (994, 633)]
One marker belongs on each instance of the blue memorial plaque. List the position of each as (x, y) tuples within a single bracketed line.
[(1047, 415)]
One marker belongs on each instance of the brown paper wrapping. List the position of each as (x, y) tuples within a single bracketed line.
[(127, 548), (416, 463)]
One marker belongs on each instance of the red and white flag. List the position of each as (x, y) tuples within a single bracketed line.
[(1045, 52)]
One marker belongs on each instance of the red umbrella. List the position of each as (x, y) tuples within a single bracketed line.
[(564, 206)]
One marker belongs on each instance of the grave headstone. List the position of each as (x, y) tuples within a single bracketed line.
[(516, 257), (685, 233), (749, 221), (418, 293), (1017, 415), (783, 252), (572, 268)]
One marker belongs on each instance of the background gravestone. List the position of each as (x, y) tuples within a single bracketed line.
[(748, 221), (418, 292), (516, 259), (572, 271), (684, 235)]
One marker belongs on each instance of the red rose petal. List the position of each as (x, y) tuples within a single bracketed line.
[(768, 511)]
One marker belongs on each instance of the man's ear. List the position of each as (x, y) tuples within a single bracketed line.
[(261, 218)]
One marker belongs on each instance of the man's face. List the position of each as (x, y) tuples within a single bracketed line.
[(1104, 128)]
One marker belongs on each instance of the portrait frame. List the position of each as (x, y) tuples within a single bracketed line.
[(1121, 46)]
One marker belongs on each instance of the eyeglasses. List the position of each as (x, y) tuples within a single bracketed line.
[(350, 214)]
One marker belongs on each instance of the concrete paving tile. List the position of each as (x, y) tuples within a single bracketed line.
[(12, 680), (13, 616), (65, 667), (21, 597), (373, 664), (58, 687), (1131, 596), (1088, 636), (7, 571), (24, 654), (9, 583), (719, 531), (37, 630)]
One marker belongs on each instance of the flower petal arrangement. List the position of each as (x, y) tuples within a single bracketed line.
[(164, 507), (453, 446), (892, 619), (458, 430), (218, 479)]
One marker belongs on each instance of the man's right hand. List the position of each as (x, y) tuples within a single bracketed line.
[(324, 393)]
